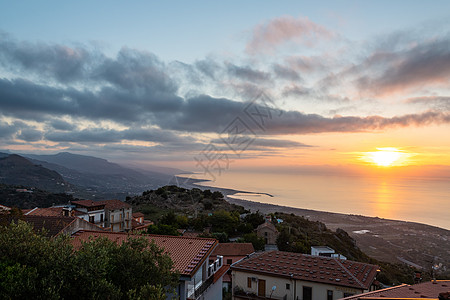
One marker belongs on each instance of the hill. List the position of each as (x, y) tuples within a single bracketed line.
[(17, 170), (98, 178), (196, 209), (16, 196)]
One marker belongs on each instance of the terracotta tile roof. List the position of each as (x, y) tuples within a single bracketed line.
[(428, 289), (53, 225), (234, 249), (138, 215), (310, 268), (135, 225), (109, 204), (220, 272), (187, 254), (49, 211)]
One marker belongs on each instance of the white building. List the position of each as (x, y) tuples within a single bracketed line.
[(199, 279), (292, 276)]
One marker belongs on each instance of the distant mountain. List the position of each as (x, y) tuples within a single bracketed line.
[(98, 178), (17, 170)]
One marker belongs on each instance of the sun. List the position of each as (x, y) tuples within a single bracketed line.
[(385, 157)]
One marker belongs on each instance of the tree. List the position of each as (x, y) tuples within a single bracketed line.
[(257, 242), (163, 229), (33, 266)]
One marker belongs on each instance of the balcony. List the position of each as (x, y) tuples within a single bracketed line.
[(198, 289)]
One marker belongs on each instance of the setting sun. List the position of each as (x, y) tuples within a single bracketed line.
[(385, 157)]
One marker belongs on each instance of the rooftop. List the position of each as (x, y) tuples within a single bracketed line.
[(187, 254), (87, 203), (310, 268), (428, 289), (234, 249), (53, 225), (49, 211)]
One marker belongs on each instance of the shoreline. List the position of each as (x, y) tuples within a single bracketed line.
[(394, 241)]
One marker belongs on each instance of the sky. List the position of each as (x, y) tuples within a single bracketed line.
[(206, 85)]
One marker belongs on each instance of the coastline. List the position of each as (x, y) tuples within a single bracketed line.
[(394, 241)]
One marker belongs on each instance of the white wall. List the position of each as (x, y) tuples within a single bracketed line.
[(319, 290)]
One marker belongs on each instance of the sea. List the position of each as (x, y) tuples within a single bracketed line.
[(422, 200)]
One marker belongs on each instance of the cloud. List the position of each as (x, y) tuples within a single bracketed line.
[(247, 73), (425, 64), (267, 37), (64, 63), (286, 73), (437, 102)]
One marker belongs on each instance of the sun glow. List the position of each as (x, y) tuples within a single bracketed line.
[(385, 157)]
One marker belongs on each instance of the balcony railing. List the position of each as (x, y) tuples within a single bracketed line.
[(212, 269)]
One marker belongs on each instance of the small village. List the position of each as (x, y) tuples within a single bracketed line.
[(210, 269)]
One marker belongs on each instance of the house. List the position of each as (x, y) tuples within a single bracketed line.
[(428, 290), (54, 225), (268, 231), (118, 215), (231, 253), (138, 222), (4, 208), (91, 211), (325, 251), (199, 279), (286, 275), (114, 214)]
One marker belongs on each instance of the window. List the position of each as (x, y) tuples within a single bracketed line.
[(112, 218), (128, 215), (329, 295), (288, 286), (91, 219), (307, 293), (229, 261), (101, 217), (249, 282)]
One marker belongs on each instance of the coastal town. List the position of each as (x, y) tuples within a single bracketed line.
[(210, 265), (225, 150)]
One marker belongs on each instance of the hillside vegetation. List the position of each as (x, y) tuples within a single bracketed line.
[(173, 208)]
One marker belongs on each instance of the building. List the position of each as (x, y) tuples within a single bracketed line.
[(428, 290), (199, 278), (53, 225), (91, 211), (4, 208), (119, 215), (232, 252), (114, 214), (268, 231), (286, 275), (325, 251)]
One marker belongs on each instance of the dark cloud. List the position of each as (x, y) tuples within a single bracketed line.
[(59, 124), (262, 143), (427, 63), (437, 102), (208, 67), (285, 72), (30, 135), (6, 130), (296, 90), (247, 73), (61, 62)]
